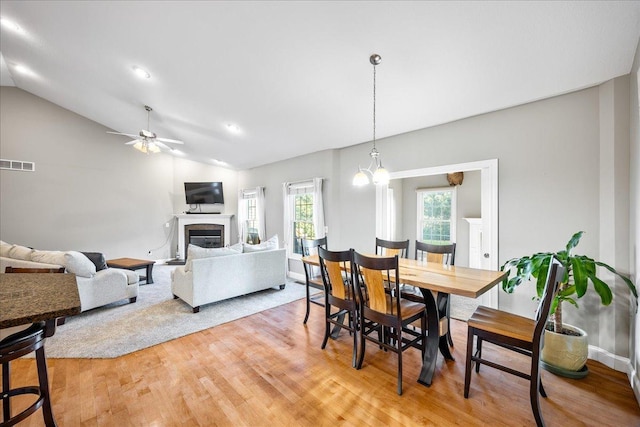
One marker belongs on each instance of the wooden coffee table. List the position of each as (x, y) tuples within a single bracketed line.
[(134, 264)]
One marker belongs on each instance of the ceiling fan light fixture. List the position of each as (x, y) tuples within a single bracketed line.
[(142, 73)]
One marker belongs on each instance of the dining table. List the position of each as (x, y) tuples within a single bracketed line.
[(27, 298), (439, 278)]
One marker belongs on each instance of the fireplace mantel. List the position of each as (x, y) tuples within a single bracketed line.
[(190, 219)]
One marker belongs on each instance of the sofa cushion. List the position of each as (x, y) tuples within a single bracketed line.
[(97, 258), (20, 252), (270, 244), (48, 257), (78, 264), (196, 252)]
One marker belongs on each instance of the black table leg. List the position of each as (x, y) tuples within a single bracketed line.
[(149, 274), (431, 352)]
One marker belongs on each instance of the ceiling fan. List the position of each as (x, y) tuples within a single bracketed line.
[(147, 141)]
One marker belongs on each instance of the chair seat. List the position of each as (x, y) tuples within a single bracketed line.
[(503, 323), (316, 282), (408, 308)]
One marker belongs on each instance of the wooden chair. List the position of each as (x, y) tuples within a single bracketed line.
[(439, 254), (385, 316), (313, 278), (336, 270), (17, 345), (517, 333), (390, 248)]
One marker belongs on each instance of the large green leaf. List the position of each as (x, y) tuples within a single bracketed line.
[(602, 289), (632, 288), (573, 242), (579, 276)]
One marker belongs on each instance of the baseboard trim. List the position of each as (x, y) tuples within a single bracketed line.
[(296, 276), (613, 361)]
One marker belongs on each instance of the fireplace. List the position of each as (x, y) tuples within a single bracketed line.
[(204, 235), (202, 224)]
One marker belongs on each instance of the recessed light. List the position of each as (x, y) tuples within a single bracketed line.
[(233, 128), (142, 73), (10, 25), (24, 70)]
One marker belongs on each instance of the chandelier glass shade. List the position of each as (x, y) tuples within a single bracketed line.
[(379, 175)]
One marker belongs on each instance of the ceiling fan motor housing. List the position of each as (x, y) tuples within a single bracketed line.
[(147, 134)]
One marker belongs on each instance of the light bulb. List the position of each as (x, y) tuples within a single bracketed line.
[(360, 179), (381, 176)]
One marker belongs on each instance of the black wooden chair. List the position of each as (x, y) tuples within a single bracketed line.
[(513, 332), (392, 247), (313, 278), (385, 316), (336, 270), (439, 254), (17, 345)]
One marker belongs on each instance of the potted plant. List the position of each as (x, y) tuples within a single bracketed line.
[(580, 270)]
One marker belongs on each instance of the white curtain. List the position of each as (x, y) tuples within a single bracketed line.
[(288, 209), (242, 217), (260, 214), (318, 208)]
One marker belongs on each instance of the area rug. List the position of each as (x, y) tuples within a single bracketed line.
[(121, 328)]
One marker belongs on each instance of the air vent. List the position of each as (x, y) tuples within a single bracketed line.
[(17, 165)]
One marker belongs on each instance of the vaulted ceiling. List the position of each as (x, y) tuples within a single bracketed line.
[(295, 77)]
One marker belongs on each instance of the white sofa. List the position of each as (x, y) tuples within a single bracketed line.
[(96, 288), (211, 275)]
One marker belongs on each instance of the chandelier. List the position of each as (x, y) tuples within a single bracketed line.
[(379, 175)]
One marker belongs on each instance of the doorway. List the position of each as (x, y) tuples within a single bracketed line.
[(489, 211)]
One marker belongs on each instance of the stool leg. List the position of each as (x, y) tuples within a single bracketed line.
[(6, 405), (43, 378)]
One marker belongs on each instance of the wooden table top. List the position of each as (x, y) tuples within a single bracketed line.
[(464, 281), (129, 263), (33, 297)]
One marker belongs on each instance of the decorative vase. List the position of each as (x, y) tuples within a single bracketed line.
[(566, 354)]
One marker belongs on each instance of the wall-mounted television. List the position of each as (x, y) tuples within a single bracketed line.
[(198, 193)]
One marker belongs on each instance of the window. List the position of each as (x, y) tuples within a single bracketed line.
[(304, 216), (436, 215)]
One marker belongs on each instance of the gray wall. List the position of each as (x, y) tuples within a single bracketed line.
[(90, 192), (634, 212)]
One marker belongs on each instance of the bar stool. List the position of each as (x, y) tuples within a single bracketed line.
[(17, 345), (13, 347)]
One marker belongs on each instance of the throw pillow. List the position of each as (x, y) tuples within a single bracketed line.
[(97, 258), (4, 249), (20, 252), (78, 264), (270, 244), (196, 252), (237, 247), (48, 257)]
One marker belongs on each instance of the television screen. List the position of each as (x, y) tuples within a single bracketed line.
[(203, 193)]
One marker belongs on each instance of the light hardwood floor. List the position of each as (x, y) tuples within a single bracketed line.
[(268, 370)]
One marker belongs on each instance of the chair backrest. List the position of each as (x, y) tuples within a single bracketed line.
[(33, 270), (336, 269), (391, 247), (441, 254), (310, 247), (370, 275), (554, 277)]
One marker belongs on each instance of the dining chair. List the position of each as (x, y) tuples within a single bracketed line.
[(392, 247), (16, 345), (313, 278), (336, 270), (385, 316), (517, 333), (439, 254)]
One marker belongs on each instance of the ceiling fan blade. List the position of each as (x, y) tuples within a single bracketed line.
[(125, 134), (170, 141), (161, 145), (131, 142)]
